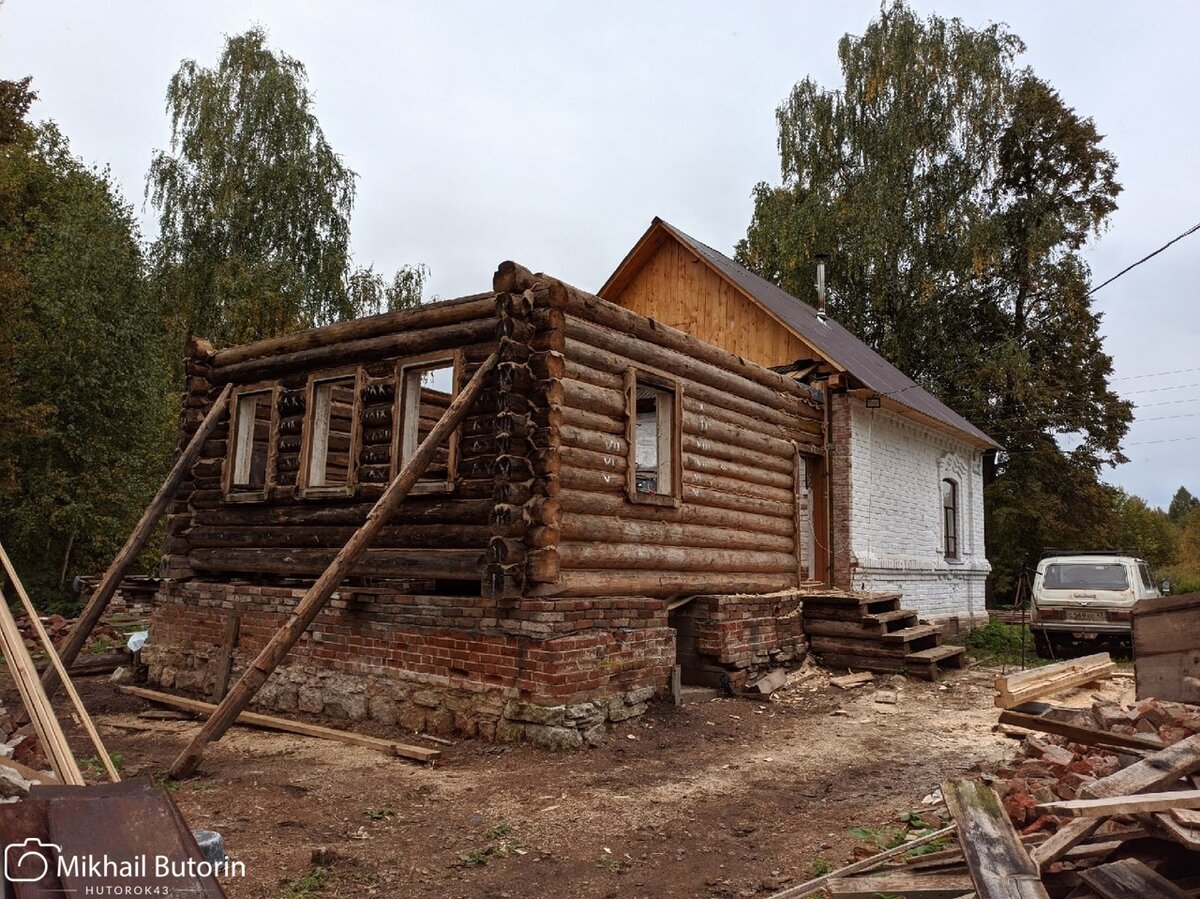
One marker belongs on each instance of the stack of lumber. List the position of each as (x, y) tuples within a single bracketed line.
[(1166, 647), (1035, 683), (870, 631)]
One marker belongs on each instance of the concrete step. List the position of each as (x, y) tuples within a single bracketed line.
[(689, 695)]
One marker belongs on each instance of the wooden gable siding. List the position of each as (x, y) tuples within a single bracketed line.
[(677, 288)]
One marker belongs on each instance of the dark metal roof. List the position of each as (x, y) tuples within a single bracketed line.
[(832, 340)]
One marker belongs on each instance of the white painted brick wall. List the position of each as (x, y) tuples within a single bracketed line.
[(897, 468)]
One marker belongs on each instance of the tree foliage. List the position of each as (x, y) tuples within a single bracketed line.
[(1182, 504), (254, 204), (954, 191), (84, 439)]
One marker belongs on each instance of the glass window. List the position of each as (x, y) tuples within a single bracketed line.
[(252, 440), (1086, 576), (653, 440), (427, 390), (950, 518), (332, 423), (1147, 577)]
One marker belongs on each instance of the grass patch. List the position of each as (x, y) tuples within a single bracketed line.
[(93, 767), (997, 643), (500, 845), (311, 884)]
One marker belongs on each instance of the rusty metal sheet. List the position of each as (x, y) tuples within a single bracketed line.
[(24, 833), (129, 839)]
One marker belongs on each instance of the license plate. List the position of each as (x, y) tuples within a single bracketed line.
[(1087, 616)]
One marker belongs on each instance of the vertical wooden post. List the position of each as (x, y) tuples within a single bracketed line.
[(320, 592), (225, 660), (135, 544)]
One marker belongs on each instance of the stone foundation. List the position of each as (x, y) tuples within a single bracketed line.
[(360, 662)]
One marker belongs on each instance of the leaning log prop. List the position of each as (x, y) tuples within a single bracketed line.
[(135, 544), (319, 594)]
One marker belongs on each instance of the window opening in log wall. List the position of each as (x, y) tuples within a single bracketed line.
[(654, 441), (426, 391), (331, 449), (252, 443)]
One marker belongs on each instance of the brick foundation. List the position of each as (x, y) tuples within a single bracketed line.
[(375, 657), (358, 661)]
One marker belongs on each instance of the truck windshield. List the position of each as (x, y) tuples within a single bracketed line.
[(1082, 576)]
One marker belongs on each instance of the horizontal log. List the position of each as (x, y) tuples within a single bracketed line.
[(648, 556), (661, 583), (571, 456), (611, 358), (438, 509), (596, 441), (612, 506), (704, 426), (616, 530), (450, 564), (426, 536), (582, 418), (623, 321), (737, 487), (598, 400), (783, 394), (449, 337), (447, 312), (705, 465)]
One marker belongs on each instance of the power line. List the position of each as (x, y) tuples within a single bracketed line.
[(1161, 389), (1165, 440), (1155, 374), (1129, 268)]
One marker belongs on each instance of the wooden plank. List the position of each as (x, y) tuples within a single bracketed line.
[(1161, 769), (800, 891), (999, 865), (1122, 805), (1130, 879), (1065, 838), (1186, 816), (1016, 689), (1089, 736), (318, 595), (911, 886), (136, 542), (270, 722), (1168, 825)]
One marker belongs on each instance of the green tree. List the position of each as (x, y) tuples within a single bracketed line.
[(254, 204), (1182, 503), (955, 191), (84, 438), (1146, 530)]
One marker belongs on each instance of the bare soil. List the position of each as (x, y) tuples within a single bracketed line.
[(724, 798)]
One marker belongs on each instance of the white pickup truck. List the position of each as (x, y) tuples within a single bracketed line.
[(1087, 597)]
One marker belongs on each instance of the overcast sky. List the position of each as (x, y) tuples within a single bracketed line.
[(552, 132)]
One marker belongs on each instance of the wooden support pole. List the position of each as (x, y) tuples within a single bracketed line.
[(136, 543), (320, 592), (20, 666)]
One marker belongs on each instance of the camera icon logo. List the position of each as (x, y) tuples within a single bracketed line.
[(28, 861)]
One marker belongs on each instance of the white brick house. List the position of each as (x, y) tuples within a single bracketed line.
[(897, 501)]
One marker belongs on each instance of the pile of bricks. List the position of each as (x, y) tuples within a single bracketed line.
[(19, 743), (1050, 767)]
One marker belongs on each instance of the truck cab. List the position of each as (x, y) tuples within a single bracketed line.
[(1086, 598)]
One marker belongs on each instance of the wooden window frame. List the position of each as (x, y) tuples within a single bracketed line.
[(951, 538), (229, 492), (674, 440), (303, 489), (400, 425)]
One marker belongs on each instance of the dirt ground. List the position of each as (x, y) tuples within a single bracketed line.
[(723, 798)]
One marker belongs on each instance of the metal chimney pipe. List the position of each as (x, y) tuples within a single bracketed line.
[(821, 259)]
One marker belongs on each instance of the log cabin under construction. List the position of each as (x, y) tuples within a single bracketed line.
[(634, 495)]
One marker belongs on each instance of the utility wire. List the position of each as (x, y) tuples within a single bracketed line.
[(1129, 268)]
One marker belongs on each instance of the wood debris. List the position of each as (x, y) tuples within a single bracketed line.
[(1015, 689)]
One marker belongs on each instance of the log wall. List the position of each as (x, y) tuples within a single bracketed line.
[(743, 431)]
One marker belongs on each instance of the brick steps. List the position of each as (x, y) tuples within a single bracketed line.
[(871, 632)]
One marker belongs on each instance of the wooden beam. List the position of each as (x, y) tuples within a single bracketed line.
[(800, 891), (1089, 736), (1065, 838), (1016, 689), (133, 547), (910, 886), (37, 703), (1131, 879), (1159, 770), (1137, 803), (999, 864), (320, 592), (271, 722), (229, 642)]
